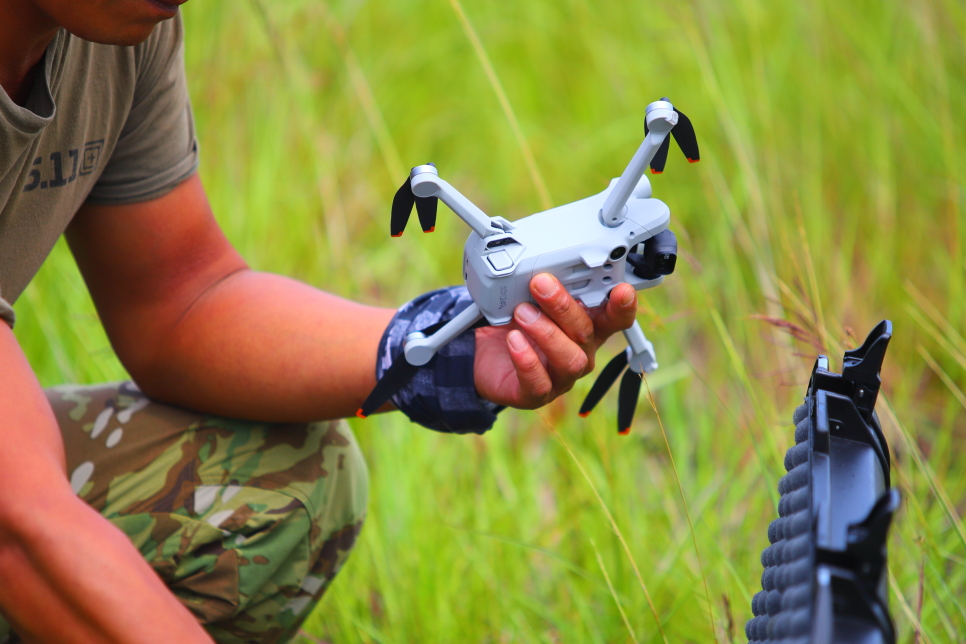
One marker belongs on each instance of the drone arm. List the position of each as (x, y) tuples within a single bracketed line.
[(612, 211), (661, 117), (428, 184)]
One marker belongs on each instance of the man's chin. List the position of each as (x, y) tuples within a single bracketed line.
[(129, 36)]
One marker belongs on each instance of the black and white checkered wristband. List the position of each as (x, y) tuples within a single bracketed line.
[(441, 396)]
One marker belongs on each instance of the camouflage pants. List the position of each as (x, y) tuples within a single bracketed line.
[(246, 523)]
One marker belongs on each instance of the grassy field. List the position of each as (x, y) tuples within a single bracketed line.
[(830, 195)]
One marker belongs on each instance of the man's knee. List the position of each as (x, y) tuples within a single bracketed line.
[(246, 522), (291, 519)]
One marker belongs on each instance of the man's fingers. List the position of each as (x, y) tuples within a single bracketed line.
[(618, 312), (556, 302), (566, 357), (535, 383)]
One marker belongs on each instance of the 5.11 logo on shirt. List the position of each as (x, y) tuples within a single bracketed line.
[(63, 169)]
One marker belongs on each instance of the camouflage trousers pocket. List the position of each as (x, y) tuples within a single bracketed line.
[(246, 565), (247, 523)]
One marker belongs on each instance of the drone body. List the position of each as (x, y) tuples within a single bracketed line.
[(590, 246), (587, 257)]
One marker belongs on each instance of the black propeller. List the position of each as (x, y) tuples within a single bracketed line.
[(607, 377), (402, 207), (683, 133), (627, 400), (627, 397), (396, 377)]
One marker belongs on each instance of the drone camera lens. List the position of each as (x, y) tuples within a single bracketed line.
[(618, 252), (661, 252), (664, 263)]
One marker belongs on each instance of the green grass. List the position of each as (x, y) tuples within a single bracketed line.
[(829, 194)]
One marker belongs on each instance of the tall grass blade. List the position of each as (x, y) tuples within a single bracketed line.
[(939, 371), (897, 592), (545, 202), (363, 91), (613, 523), (949, 509), (613, 593), (684, 502)]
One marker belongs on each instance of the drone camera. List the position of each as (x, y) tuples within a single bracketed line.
[(617, 253), (660, 255)]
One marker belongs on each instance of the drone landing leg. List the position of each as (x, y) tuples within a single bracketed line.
[(420, 349), (642, 351), (641, 360), (417, 351)]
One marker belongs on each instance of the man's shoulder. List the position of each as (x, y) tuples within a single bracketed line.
[(106, 123)]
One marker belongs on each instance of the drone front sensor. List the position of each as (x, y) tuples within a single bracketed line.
[(592, 245)]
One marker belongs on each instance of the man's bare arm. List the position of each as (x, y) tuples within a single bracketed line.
[(69, 575), (196, 327)]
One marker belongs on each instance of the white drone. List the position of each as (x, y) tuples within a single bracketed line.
[(591, 246)]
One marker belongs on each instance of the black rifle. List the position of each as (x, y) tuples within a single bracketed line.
[(825, 573)]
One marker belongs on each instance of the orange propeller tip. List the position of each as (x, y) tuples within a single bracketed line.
[(625, 431), (584, 414), (398, 235), (360, 414), (430, 230), (657, 171), (690, 160)]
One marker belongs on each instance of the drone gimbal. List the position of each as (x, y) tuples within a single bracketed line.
[(591, 246)]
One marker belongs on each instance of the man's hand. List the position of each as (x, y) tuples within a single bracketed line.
[(539, 356)]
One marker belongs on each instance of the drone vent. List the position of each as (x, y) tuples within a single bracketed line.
[(506, 241)]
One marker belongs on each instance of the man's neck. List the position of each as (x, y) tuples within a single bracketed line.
[(25, 32)]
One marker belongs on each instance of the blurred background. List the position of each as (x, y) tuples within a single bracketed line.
[(829, 196)]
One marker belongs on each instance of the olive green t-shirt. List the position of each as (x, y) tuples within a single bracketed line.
[(103, 124)]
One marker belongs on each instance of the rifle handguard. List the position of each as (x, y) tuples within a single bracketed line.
[(825, 573)]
